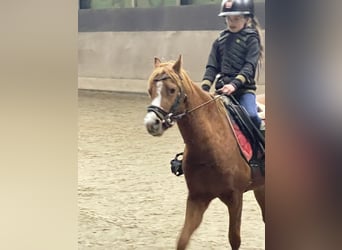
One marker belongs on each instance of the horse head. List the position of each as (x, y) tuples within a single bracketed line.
[(167, 91)]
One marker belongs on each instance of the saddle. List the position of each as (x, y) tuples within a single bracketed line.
[(251, 141)]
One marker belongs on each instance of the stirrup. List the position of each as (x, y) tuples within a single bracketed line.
[(176, 165)]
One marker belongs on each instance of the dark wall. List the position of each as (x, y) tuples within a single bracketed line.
[(189, 17)]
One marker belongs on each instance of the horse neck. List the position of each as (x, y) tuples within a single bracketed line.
[(206, 124)]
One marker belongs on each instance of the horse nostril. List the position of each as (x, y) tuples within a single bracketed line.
[(157, 121)]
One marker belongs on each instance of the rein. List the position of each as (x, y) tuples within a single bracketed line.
[(168, 119), (179, 116)]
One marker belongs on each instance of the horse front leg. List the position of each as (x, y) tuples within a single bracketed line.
[(234, 204), (195, 208)]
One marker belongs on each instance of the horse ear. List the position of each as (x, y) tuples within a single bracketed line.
[(157, 62), (178, 64)]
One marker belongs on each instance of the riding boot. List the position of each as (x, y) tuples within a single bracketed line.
[(261, 157), (263, 132), (262, 128)]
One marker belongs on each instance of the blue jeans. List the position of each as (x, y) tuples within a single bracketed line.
[(248, 101)]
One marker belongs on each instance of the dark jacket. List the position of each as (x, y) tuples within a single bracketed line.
[(234, 54)]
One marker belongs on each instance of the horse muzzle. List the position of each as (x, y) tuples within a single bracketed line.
[(157, 120), (154, 124)]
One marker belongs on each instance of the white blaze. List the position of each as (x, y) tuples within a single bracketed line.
[(157, 100), (151, 121)]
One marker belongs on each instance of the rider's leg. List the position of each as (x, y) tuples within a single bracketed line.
[(248, 101)]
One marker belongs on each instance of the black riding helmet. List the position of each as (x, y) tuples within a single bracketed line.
[(237, 7)]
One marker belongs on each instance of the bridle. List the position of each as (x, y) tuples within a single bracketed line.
[(168, 119)]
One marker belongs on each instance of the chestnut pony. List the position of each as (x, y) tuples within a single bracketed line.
[(212, 163)]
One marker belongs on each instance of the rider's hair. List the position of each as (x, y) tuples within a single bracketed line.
[(254, 23)]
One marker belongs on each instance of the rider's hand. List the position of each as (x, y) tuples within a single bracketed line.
[(227, 89), (221, 82)]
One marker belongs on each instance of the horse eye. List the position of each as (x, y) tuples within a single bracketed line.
[(172, 91)]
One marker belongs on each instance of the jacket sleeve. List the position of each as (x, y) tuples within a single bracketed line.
[(252, 58), (213, 65)]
